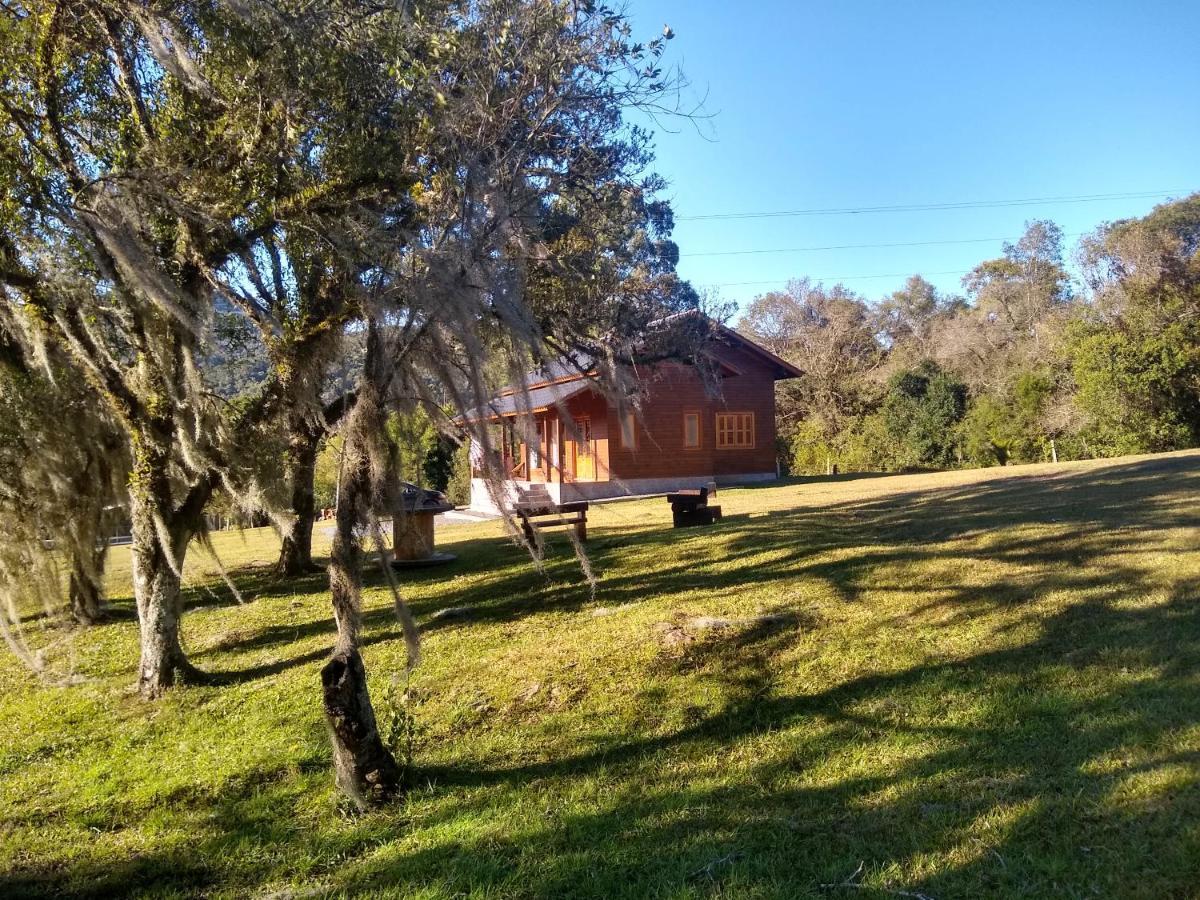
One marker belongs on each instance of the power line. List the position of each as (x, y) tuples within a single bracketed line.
[(918, 207), (837, 278), (854, 246)]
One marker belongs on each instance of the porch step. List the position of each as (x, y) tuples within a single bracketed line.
[(535, 494)]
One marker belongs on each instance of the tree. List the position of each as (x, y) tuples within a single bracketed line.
[(1135, 349), (907, 318), (530, 232), (922, 410), (64, 471), (395, 166), (1019, 305), (155, 153), (830, 335)]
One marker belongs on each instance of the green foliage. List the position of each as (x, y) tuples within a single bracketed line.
[(921, 411), (438, 465), (869, 447), (999, 429), (986, 433), (458, 488), (415, 436), (325, 480), (397, 722), (811, 454), (1141, 391), (866, 445)]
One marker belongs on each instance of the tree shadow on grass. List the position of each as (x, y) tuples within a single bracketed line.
[(1101, 512), (1024, 784), (1051, 766), (217, 842), (1028, 800), (1059, 761), (1043, 765)]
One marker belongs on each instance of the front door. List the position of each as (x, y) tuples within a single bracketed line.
[(585, 458)]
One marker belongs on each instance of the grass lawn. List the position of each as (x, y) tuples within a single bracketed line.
[(986, 684)]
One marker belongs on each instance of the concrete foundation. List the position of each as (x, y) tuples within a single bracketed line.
[(482, 499)]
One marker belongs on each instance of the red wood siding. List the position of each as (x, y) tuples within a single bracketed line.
[(672, 391)]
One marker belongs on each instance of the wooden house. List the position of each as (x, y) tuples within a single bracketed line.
[(561, 433)]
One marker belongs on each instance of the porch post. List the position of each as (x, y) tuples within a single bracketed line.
[(558, 448)]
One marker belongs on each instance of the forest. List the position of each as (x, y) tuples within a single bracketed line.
[(1029, 364)]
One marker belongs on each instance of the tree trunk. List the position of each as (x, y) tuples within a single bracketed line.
[(87, 588), (155, 517), (295, 554), (364, 768), (163, 663)]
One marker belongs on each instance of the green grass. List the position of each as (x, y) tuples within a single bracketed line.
[(990, 687)]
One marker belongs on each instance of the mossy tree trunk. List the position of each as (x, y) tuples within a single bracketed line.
[(295, 552), (86, 589), (161, 530), (304, 446), (365, 770)]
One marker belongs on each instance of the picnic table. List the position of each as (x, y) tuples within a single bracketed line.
[(538, 514)]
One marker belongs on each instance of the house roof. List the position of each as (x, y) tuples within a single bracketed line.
[(538, 399), (553, 372), (557, 381), (784, 369)]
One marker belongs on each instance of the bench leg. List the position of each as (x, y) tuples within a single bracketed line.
[(581, 530), (527, 530)]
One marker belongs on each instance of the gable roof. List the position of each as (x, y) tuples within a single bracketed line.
[(538, 399), (557, 381), (783, 368)]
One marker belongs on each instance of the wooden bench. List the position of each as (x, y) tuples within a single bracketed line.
[(690, 507), (535, 516)]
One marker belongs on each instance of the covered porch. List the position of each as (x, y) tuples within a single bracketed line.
[(544, 448)]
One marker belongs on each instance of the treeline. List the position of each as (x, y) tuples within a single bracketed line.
[(1028, 365)]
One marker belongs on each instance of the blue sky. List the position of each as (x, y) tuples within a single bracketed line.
[(853, 104)]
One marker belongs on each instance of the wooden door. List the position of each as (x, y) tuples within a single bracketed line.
[(585, 456)]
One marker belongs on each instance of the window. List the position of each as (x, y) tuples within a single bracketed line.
[(535, 447), (735, 431), (691, 430), (628, 431)]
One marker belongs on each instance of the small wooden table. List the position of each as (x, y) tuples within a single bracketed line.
[(412, 528), (690, 507), (536, 516)]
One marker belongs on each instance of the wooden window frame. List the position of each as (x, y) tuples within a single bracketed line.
[(633, 430), (537, 458), (694, 413), (743, 423)]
